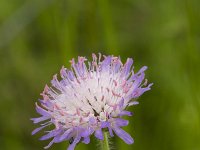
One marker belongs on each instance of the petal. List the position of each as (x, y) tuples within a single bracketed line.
[(55, 82), (38, 129), (37, 120), (140, 91), (72, 146), (142, 69), (98, 134), (105, 65), (63, 72), (92, 120), (86, 140), (53, 133), (42, 111), (110, 131), (71, 75), (50, 135), (65, 134), (123, 135), (105, 124), (121, 122), (116, 65), (126, 113), (121, 103), (49, 145), (133, 103), (127, 67), (85, 133)]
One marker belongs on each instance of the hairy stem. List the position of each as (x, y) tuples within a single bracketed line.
[(105, 143)]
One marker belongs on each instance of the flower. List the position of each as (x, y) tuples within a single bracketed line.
[(90, 97)]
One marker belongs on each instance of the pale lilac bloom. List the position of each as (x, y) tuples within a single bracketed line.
[(90, 97)]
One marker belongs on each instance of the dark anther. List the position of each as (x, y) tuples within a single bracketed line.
[(95, 98), (95, 113), (71, 140)]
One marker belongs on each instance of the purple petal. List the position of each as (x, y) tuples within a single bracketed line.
[(65, 134), (149, 86), (98, 134), (121, 103), (110, 131), (50, 134), (49, 145), (42, 111), (63, 72), (86, 140), (121, 122), (117, 65), (76, 140), (55, 82), (85, 133), (71, 75), (133, 103), (127, 67), (140, 91), (92, 120), (123, 135), (105, 124), (105, 66), (138, 79), (37, 120), (142, 69), (57, 139), (126, 113), (38, 129), (90, 130), (47, 103)]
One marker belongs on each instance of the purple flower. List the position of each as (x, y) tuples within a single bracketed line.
[(90, 97)]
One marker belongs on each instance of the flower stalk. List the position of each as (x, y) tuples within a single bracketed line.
[(105, 142)]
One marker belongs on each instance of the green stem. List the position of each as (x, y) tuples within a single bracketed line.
[(105, 142)]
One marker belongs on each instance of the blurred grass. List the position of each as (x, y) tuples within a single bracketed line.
[(38, 37)]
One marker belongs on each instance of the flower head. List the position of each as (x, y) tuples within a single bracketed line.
[(90, 97)]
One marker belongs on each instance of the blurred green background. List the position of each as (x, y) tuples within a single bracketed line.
[(37, 37)]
